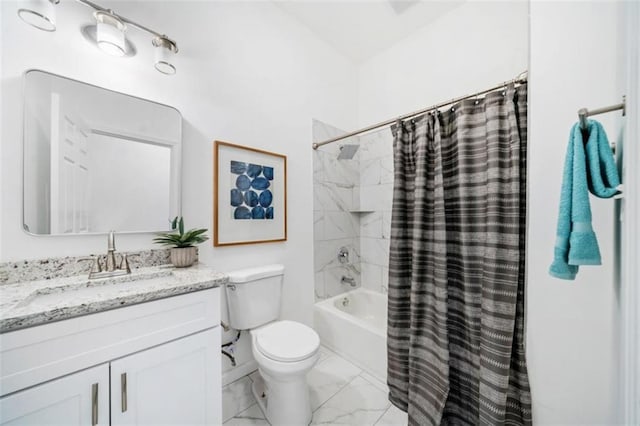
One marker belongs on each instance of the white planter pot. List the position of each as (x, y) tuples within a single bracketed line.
[(183, 257)]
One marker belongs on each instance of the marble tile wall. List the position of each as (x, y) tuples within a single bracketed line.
[(336, 196), (375, 194), (352, 208)]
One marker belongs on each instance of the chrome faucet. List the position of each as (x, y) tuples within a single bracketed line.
[(348, 280), (111, 267), (110, 263)]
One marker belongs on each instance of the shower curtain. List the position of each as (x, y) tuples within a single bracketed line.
[(456, 268)]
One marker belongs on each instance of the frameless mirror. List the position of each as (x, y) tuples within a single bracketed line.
[(97, 160)]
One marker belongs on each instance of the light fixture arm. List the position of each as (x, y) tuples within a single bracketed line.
[(108, 33), (126, 20)]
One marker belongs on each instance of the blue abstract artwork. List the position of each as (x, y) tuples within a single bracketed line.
[(251, 196)]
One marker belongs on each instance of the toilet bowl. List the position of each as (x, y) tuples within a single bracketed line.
[(284, 350)]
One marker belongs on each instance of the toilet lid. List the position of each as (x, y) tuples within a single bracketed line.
[(287, 341)]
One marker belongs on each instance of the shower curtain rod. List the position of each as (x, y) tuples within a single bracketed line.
[(521, 78)]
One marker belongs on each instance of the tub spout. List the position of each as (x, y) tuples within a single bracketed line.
[(348, 280)]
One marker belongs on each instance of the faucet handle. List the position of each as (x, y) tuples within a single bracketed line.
[(96, 266), (124, 263), (343, 255)]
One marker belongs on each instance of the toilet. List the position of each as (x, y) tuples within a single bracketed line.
[(284, 350)]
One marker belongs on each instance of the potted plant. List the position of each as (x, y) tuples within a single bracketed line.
[(183, 250)]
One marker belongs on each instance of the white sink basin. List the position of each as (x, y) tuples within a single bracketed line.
[(86, 290)]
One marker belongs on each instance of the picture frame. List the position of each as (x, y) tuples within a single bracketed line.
[(250, 195)]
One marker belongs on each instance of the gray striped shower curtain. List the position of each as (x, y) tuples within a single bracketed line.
[(456, 267)]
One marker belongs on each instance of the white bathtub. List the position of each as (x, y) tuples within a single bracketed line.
[(354, 325)]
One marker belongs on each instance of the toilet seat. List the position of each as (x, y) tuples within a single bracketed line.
[(287, 341)]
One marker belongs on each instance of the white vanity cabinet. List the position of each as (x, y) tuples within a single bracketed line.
[(152, 363), (78, 399), (169, 384)]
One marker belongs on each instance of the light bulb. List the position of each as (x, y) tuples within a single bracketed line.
[(166, 50), (110, 33)]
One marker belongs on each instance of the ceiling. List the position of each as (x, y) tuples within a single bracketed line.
[(361, 28)]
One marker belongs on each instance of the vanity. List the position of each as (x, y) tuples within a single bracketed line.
[(140, 349), (135, 345)]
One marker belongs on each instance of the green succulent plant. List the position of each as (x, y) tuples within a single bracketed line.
[(181, 239)]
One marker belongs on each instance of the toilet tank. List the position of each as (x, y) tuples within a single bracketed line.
[(253, 296)]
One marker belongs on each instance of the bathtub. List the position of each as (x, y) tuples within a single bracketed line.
[(354, 325)]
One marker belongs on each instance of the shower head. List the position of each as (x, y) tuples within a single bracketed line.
[(347, 151)]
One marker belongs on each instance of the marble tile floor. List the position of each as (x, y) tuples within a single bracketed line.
[(341, 394)]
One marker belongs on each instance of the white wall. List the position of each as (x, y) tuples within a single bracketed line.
[(572, 344), (630, 267), (247, 74), (475, 46)]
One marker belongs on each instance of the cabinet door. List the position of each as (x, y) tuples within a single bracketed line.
[(177, 383), (78, 399)]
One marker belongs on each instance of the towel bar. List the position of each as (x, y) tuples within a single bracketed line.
[(583, 113)]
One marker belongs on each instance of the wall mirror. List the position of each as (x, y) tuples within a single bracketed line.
[(97, 160)]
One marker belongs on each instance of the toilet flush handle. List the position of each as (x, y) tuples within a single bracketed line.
[(231, 287)]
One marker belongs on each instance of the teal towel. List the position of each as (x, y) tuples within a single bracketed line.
[(594, 171), (602, 177)]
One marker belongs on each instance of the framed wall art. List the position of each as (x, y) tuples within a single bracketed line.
[(250, 195)]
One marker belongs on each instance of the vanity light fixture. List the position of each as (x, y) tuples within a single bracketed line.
[(40, 14), (108, 33), (165, 51)]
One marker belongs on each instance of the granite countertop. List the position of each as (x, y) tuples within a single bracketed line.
[(32, 303)]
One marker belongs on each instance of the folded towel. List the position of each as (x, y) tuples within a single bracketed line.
[(595, 171)]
